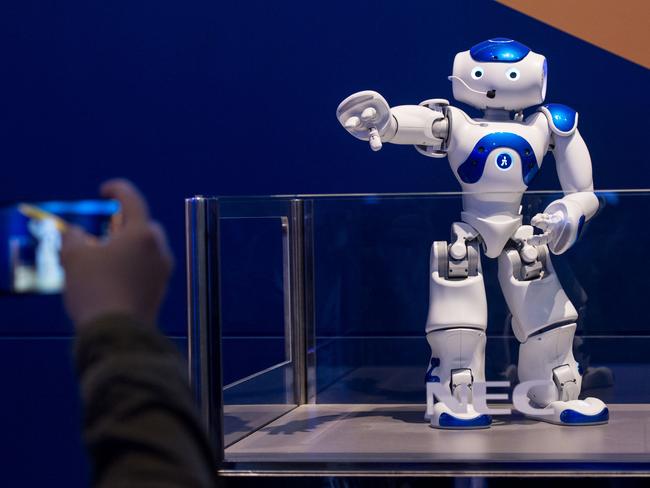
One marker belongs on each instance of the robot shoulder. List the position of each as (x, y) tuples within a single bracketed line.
[(562, 120)]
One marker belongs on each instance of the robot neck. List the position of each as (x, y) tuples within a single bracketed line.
[(496, 114)]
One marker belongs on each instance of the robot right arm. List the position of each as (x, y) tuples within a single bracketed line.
[(562, 221), (367, 116)]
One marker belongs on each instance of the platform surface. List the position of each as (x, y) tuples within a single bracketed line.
[(370, 433), (240, 420)]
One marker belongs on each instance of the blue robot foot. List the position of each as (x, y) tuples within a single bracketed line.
[(590, 411), (444, 418)]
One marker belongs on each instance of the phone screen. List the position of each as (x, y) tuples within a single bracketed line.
[(30, 240)]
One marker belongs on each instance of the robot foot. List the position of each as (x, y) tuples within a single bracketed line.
[(444, 418), (590, 411)]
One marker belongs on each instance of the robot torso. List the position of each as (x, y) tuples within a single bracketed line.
[(494, 161)]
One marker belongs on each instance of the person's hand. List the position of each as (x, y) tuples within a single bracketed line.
[(126, 273)]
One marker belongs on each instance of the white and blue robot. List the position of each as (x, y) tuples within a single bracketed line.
[(494, 159)]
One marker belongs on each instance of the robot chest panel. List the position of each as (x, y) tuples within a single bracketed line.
[(496, 156)]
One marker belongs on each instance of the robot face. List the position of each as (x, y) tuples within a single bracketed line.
[(499, 73)]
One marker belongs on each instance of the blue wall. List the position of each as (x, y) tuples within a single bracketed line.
[(236, 98)]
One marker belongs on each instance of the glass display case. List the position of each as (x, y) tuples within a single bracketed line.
[(307, 350)]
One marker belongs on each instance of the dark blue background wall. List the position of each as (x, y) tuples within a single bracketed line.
[(236, 98)]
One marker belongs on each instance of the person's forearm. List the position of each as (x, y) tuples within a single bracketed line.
[(141, 428)]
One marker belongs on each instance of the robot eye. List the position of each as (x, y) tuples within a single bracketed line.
[(513, 74), (477, 72)]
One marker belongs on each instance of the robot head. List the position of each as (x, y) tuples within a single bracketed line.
[(499, 73)]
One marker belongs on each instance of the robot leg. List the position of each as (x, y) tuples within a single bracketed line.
[(456, 329), (544, 322)]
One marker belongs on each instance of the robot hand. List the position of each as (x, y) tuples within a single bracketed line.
[(559, 232), (563, 219), (551, 224), (366, 115)]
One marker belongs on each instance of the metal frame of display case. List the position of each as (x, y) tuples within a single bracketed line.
[(204, 350), (204, 317)]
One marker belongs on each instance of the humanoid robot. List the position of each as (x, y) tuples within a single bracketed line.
[(494, 159)]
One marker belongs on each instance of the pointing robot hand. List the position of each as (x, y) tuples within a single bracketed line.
[(551, 224), (366, 115)]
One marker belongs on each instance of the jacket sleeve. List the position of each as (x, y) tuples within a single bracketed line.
[(140, 425)]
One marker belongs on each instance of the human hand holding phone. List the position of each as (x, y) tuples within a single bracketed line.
[(125, 273)]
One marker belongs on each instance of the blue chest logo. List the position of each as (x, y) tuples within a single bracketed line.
[(503, 161), (472, 168)]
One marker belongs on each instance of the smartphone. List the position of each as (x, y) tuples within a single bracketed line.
[(30, 240)]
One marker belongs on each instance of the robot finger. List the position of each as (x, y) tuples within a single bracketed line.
[(368, 114), (352, 123), (541, 221), (375, 139), (539, 240)]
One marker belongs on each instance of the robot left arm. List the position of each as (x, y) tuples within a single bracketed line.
[(367, 116), (564, 218)]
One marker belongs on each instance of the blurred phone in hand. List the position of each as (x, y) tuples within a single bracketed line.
[(30, 240)]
